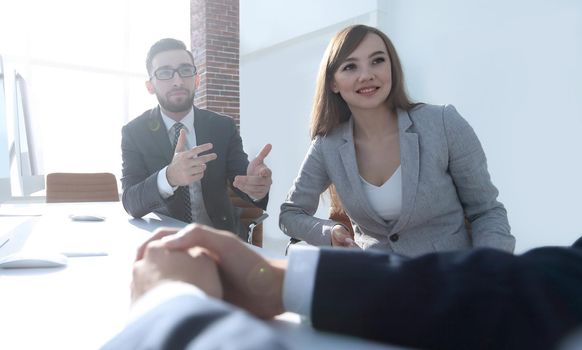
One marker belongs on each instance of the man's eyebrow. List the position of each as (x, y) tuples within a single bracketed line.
[(172, 67), (166, 66)]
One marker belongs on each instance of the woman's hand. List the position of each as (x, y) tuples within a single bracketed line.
[(341, 237)]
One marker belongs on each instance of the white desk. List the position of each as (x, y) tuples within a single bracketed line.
[(83, 305)]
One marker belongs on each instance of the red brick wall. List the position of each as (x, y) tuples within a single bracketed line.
[(215, 44)]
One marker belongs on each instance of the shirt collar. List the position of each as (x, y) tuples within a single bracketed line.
[(188, 121)]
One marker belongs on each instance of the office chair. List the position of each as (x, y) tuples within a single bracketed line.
[(81, 187), (251, 217)]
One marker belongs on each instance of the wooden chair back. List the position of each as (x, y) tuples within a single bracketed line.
[(81, 187), (248, 213)]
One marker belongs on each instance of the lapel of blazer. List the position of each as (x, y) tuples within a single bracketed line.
[(347, 153), (409, 163), (201, 126), (159, 134)]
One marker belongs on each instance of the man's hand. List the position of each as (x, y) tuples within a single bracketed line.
[(258, 180), (160, 264), (186, 166), (158, 234), (248, 280), (340, 237)]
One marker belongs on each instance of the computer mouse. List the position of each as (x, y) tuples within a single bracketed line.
[(32, 260), (87, 218)]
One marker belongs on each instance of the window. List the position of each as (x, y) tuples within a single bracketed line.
[(84, 67)]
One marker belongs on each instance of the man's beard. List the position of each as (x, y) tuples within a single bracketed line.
[(176, 107)]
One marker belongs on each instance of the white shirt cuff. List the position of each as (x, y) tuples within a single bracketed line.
[(299, 280), (164, 187), (162, 293)]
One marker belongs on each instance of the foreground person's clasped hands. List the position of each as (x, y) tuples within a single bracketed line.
[(215, 261)]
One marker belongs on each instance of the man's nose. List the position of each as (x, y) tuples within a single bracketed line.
[(177, 80)]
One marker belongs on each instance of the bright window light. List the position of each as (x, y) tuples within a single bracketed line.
[(84, 67)]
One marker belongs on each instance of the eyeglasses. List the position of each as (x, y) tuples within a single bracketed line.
[(168, 73)]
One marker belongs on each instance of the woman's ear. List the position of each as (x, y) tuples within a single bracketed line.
[(334, 87)]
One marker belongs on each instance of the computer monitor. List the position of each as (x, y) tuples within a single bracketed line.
[(19, 169), (25, 151), (5, 192)]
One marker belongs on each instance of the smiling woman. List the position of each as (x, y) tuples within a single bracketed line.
[(407, 174), (85, 79)]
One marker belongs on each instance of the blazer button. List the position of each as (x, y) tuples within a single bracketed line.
[(395, 237)]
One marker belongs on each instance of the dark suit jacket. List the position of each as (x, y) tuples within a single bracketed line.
[(146, 149), (191, 323), (482, 299)]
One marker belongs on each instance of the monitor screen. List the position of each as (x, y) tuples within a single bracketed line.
[(4, 153)]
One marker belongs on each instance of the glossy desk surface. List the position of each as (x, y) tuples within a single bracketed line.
[(82, 305)]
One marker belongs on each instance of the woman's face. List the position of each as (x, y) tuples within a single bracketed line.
[(364, 79)]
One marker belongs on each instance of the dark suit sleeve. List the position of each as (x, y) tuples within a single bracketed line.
[(140, 188), (188, 322), (484, 299)]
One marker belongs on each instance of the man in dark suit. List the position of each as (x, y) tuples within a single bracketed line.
[(178, 159), (481, 299)]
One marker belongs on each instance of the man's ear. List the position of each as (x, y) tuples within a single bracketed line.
[(197, 81), (150, 87)]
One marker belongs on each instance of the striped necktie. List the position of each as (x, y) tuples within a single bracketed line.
[(183, 191)]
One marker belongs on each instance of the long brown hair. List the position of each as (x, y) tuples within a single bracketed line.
[(329, 109)]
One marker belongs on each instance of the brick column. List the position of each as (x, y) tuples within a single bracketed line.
[(215, 44)]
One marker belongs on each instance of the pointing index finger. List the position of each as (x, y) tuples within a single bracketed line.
[(264, 152)]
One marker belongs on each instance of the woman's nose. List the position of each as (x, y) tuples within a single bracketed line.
[(366, 73)]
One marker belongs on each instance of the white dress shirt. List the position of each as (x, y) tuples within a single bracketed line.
[(199, 213)]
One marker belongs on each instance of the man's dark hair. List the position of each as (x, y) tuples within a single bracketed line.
[(162, 45)]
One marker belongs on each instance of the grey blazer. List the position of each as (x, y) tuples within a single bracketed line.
[(444, 181)]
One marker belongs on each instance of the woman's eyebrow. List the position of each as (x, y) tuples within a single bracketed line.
[(379, 52)]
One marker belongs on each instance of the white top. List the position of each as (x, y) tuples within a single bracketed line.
[(386, 200)]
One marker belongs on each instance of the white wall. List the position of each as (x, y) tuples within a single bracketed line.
[(511, 68), (281, 46), (264, 23)]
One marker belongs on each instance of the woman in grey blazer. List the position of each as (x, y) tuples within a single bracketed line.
[(409, 176)]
